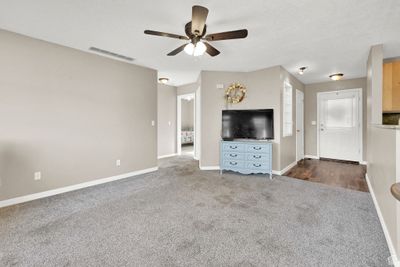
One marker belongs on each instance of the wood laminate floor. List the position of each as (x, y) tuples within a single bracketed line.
[(346, 175)]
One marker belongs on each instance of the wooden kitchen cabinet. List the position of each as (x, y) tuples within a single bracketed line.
[(391, 87)]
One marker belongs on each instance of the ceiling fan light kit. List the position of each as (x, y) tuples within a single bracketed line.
[(195, 50), (196, 33)]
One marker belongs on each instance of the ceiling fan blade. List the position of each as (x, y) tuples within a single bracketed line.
[(199, 16), (211, 50), (164, 34), (176, 51), (227, 35)]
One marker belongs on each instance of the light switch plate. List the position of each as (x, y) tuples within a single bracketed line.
[(37, 176), (153, 123), (313, 123), (220, 86)]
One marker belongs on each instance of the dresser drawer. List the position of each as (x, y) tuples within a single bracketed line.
[(233, 147), (234, 156), (256, 148), (257, 157), (234, 164), (262, 166)]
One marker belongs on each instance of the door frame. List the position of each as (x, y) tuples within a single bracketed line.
[(297, 95), (360, 118), (179, 123)]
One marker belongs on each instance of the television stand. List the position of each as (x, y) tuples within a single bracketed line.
[(246, 157)]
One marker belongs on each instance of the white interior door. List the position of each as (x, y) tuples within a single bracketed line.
[(299, 125), (339, 126)]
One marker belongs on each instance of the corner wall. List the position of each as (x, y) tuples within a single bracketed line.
[(381, 153), (166, 120), (71, 115)]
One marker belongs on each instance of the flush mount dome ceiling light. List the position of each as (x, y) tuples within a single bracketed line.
[(196, 35), (336, 76), (302, 70), (163, 80)]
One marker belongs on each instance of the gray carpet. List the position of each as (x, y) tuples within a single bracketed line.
[(180, 216)]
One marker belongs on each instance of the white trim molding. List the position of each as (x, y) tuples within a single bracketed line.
[(167, 156), (394, 256), (311, 157), (363, 162), (22, 199), (209, 168), (288, 167)]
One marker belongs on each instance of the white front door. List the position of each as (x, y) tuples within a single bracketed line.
[(299, 125), (340, 116)]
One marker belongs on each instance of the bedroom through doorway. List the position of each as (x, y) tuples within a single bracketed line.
[(186, 125)]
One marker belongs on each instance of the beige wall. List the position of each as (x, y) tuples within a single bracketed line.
[(187, 114), (166, 120), (188, 88), (310, 109), (264, 90), (288, 143), (381, 154), (71, 115)]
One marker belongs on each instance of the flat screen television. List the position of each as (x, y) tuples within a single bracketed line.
[(255, 124)]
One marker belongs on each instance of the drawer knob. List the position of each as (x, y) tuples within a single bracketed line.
[(233, 163), (256, 165), (256, 147), (257, 156), (233, 147), (233, 155)]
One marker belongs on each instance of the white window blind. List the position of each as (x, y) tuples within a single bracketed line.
[(287, 110)]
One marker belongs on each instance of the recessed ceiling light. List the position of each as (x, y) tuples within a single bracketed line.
[(336, 76), (302, 70), (163, 80)]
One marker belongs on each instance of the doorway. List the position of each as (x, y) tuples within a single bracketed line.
[(340, 125), (186, 117), (299, 125)]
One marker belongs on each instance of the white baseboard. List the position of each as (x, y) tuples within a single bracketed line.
[(167, 156), (209, 168), (214, 168), (395, 258), (288, 167), (363, 162), (311, 157), (18, 200)]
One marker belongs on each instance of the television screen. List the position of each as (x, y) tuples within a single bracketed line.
[(248, 124)]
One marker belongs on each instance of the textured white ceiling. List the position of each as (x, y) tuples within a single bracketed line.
[(326, 35)]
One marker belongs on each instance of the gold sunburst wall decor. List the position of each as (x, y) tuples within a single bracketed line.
[(235, 93)]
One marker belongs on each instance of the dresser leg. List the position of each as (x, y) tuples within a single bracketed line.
[(220, 172), (270, 175)]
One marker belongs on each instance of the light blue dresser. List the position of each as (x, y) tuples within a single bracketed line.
[(246, 157)]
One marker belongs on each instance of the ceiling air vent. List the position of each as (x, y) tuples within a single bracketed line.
[(111, 54)]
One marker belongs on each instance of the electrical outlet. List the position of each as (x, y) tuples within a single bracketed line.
[(169, 123), (220, 86), (153, 123), (37, 176), (118, 162)]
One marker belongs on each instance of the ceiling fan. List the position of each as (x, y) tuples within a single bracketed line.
[(196, 33)]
